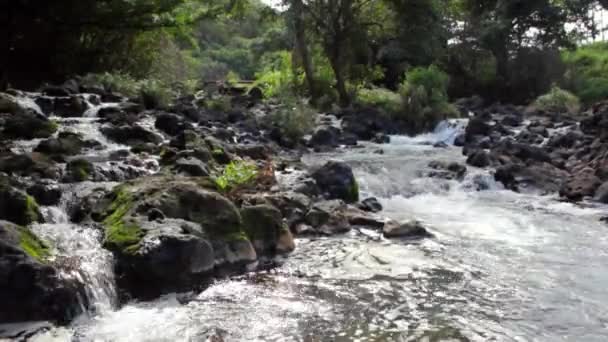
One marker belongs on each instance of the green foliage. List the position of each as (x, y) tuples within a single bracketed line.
[(32, 245), (386, 99), (294, 119), (278, 76), (558, 100), (155, 94), (425, 99), (587, 72), (236, 174)]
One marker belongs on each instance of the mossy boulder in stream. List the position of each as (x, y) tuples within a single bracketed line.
[(17, 206), (265, 228), (30, 288), (337, 181), (79, 170), (171, 234)]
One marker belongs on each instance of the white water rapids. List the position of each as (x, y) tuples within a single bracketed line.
[(503, 267)]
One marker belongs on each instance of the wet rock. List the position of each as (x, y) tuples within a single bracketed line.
[(45, 194), (79, 170), (580, 185), (26, 126), (447, 170), (370, 204), (359, 218), (337, 181), (601, 194), (191, 167), (17, 206), (34, 165), (131, 134), (265, 228), (381, 138), (202, 234), (31, 289), (253, 151), (479, 158), (519, 177), (70, 107), (410, 230), (46, 104), (155, 214), (364, 123), (476, 127), (512, 120), (568, 140), (218, 151), (50, 90), (460, 140), (66, 144), (171, 124), (325, 136), (328, 217)]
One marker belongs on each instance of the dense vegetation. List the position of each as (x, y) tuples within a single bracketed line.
[(331, 51)]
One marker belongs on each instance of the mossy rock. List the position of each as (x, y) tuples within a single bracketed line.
[(337, 181), (263, 225), (17, 206), (80, 170), (32, 245)]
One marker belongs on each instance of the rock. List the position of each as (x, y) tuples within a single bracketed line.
[(79, 170), (253, 151), (364, 123), (479, 158), (70, 107), (191, 167), (66, 144), (265, 228), (31, 289), (477, 127), (370, 204), (411, 230), (460, 140), (446, 170), (325, 136), (337, 181), (202, 234), (519, 177), (601, 194), (131, 134), (30, 164), (55, 91), (17, 206), (512, 120), (45, 194), (27, 126), (360, 218), (328, 217), (171, 124), (381, 138), (580, 185), (218, 151)]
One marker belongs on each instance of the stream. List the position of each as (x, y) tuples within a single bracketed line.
[(503, 267)]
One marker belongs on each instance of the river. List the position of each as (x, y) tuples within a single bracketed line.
[(502, 267)]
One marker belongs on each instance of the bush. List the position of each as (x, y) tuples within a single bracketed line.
[(236, 174), (115, 82), (294, 119), (424, 99), (558, 100), (388, 100), (278, 76), (154, 94), (587, 72)]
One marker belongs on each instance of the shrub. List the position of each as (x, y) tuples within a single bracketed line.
[(236, 174), (115, 82), (587, 72), (154, 94), (379, 97), (294, 119), (559, 100), (424, 99), (278, 75)]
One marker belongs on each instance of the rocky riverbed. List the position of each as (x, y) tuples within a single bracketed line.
[(110, 208)]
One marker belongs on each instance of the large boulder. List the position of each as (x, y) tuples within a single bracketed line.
[(410, 230), (325, 137), (601, 194), (172, 233), (265, 228), (26, 125), (580, 185), (17, 206), (30, 288), (66, 144), (171, 124), (337, 181), (70, 107), (131, 134), (34, 165)]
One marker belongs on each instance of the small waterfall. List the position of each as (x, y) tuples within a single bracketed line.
[(78, 253), (445, 132)]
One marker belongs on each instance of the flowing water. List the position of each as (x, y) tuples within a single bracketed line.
[(503, 267)]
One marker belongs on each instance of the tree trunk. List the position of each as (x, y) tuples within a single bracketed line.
[(302, 48), (344, 98)]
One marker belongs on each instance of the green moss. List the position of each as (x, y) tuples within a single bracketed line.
[(236, 236), (353, 192), (32, 245), (120, 234), (80, 169), (32, 212)]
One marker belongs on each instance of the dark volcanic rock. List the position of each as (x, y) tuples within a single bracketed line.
[(370, 204), (410, 230), (30, 289), (479, 158), (336, 181), (580, 185)]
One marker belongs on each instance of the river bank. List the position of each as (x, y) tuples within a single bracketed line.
[(455, 275)]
